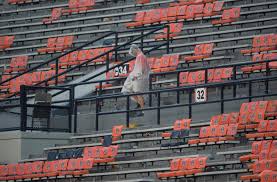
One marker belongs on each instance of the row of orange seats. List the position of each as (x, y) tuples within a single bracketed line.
[(254, 112), (261, 150), (262, 43), (6, 42), (201, 51), (266, 128), (197, 77), (101, 154), (41, 169), (77, 57), (184, 167), (216, 133), (174, 30), (264, 155), (163, 64), (228, 16), (13, 86), (77, 6), (17, 64), (179, 125), (57, 44), (225, 119), (268, 176), (261, 66), (175, 13)]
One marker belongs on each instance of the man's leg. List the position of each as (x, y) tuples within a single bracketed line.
[(140, 101)]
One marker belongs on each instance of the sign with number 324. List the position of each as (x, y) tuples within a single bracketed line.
[(200, 94)]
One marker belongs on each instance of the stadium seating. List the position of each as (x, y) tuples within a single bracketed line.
[(18, 64), (57, 44), (184, 167), (262, 43), (200, 52), (228, 16), (201, 32), (77, 6)]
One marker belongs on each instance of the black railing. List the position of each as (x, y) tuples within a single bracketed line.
[(106, 54), (24, 105), (188, 89), (235, 73)]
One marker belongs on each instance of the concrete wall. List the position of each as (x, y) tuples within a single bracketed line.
[(16, 145)]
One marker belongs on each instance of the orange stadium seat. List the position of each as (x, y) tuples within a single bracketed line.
[(6, 42), (57, 44), (228, 16), (175, 29), (262, 43), (78, 6), (55, 15), (201, 51), (138, 20), (17, 64)]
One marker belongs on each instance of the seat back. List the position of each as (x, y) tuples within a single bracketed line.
[(217, 6), (182, 124), (183, 77), (4, 170), (73, 4), (12, 169), (175, 164), (215, 120), (117, 131), (51, 42)]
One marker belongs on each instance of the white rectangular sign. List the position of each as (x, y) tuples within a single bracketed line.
[(200, 94)]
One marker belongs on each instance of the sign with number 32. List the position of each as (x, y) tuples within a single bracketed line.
[(200, 94)]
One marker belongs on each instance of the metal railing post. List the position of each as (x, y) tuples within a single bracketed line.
[(75, 116), (167, 39), (159, 109), (190, 102), (23, 108), (178, 85), (96, 115), (128, 112), (150, 88), (71, 107), (116, 44)]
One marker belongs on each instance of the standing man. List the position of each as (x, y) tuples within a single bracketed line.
[(138, 79)]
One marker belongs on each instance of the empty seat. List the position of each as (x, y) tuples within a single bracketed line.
[(228, 16), (174, 30), (262, 43), (6, 42), (18, 64), (78, 6), (201, 51), (57, 44), (55, 15)]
